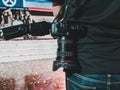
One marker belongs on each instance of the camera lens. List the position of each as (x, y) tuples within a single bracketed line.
[(65, 49)]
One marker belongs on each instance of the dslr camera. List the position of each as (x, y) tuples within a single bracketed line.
[(64, 32)]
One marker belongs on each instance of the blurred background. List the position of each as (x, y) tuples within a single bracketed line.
[(26, 61)]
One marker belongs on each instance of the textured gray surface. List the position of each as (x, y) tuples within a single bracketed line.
[(28, 57), (27, 50)]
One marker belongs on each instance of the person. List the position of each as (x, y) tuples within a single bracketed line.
[(98, 50), (17, 15), (7, 17), (22, 16), (17, 18), (29, 19)]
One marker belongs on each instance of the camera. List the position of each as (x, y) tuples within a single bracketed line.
[(65, 32), (68, 34)]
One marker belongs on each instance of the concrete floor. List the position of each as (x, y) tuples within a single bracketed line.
[(19, 58)]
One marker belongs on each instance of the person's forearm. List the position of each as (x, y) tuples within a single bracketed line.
[(57, 5), (56, 10)]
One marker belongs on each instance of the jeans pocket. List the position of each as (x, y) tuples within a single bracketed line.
[(73, 85)]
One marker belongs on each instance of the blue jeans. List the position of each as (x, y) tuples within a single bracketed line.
[(92, 81)]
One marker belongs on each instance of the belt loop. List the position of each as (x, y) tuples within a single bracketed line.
[(108, 81)]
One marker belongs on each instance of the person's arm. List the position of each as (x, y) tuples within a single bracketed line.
[(11, 15), (57, 5), (56, 10), (2, 21)]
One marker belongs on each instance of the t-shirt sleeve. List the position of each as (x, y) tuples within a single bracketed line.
[(58, 2)]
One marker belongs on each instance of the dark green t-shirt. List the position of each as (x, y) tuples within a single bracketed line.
[(99, 48)]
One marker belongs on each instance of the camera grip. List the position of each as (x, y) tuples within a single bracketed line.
[(40, 28)]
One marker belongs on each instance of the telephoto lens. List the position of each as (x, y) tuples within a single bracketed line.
[(66, 55), (15, 31), (34, 29)]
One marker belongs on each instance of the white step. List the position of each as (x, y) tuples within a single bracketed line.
[(27, 50)]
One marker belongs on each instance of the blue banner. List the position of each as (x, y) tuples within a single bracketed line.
[(34, 5), (11, 3), (38, 4)]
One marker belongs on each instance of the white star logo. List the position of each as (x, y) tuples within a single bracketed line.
[(9, 3)]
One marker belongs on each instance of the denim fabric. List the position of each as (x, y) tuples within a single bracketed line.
[(92, 81)]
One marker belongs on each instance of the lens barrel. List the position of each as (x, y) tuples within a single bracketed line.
[(66, 55)]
